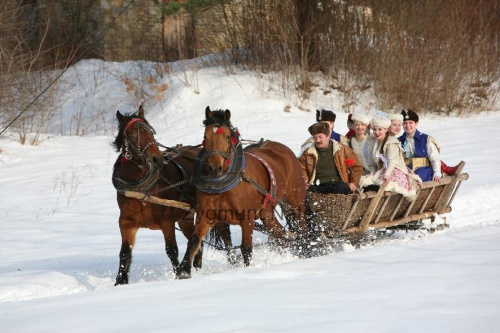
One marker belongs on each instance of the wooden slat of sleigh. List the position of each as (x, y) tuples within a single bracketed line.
[(420, 211), (403, 220), (449, 190), (370, 211)]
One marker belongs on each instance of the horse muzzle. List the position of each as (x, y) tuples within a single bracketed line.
[(215, 172)]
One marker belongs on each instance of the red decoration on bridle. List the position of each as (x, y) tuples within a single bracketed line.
[(130, 123), (219, 130)]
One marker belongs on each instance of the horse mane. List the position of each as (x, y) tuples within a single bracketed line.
[(118, 141), (217, 119)]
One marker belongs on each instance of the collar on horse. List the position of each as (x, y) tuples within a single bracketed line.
[(142, 185), (230, 178)]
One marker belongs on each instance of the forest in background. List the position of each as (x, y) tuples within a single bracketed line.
[(435, 56)]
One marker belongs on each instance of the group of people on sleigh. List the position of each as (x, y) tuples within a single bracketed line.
[(370, 154)]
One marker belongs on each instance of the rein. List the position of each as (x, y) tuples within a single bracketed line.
[(152, 175)]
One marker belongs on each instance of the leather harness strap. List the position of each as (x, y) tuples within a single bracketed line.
[(133, 120), (268, 196)]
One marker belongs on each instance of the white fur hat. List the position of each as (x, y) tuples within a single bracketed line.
[(381, 119), (397, 116), (361, 118)]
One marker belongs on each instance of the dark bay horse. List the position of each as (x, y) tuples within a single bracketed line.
[(142, 167), (238, 186)]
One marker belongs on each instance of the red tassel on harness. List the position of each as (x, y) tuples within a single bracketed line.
[(267, 199), (235, 140)]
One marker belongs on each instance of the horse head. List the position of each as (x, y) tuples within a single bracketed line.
[(136, 140), (219, 141)]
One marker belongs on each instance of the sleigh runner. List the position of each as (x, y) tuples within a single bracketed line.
[(334, 214)]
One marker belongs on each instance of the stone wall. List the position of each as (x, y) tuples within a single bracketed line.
[(139, 32), (136, 34)]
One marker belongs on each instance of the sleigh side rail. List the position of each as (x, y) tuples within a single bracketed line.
[(382, 209)]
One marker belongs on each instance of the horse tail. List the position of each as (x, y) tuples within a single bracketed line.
[(215, 238)]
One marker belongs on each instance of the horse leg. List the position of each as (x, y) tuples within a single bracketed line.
[(201, 229), (296, 217), (198, 258), (128, 241), (277, 230), (187, 228), (225, 235), (168, 229), (247, 240)]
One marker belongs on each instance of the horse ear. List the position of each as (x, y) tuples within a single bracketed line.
[(141, 111), (120, 117), (227, 115), (208, 113)]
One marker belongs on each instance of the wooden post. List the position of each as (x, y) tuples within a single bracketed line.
[(426, 200), (381, 211), (403, 220), (370, 211), (441, 206), (156, 200), (397, 208)]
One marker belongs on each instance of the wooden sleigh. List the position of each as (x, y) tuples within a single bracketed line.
[(337, 214)]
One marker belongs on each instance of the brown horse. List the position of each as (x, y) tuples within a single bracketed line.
[(238, 186), (142, 167)]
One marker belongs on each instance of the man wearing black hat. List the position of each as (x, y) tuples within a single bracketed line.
[(422, 153), (329, 116), (328, 166)]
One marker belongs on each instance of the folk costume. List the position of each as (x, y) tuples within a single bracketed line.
[(422, 153), (329, 115), (350, 126), (390, 162), (363, 148)]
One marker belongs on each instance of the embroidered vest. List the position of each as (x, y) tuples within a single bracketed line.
[(335, 136), (419, 161)]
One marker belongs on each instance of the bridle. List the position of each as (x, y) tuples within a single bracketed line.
[(233, 156), (152, 172), (129, 145), (231, 147)]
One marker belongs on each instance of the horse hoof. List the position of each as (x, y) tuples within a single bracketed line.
[(120, 282), (182, 275)]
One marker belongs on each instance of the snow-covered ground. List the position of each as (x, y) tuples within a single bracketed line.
[(60, 239)]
